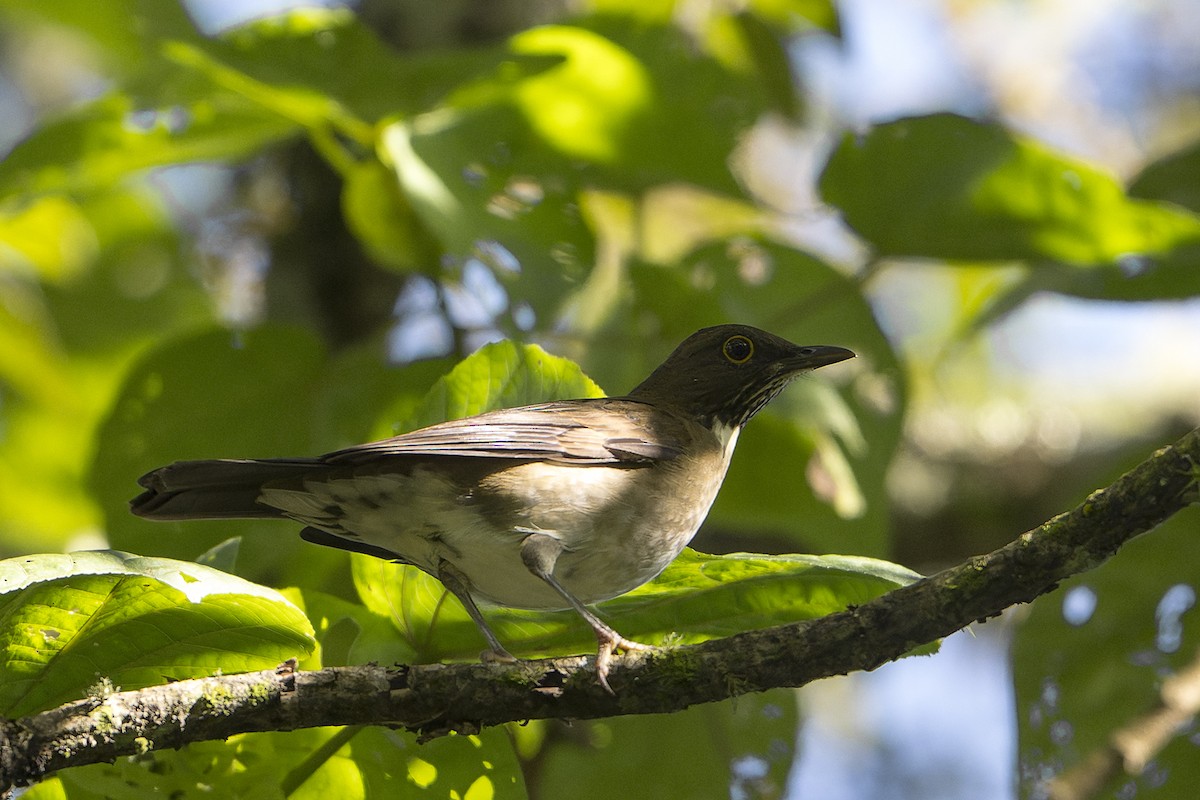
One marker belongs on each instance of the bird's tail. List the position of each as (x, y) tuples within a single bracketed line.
[(216, 489)]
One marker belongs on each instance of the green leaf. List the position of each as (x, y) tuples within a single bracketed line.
[(737, 748), (789, 16), (679, 113), (125, 32), (350, 633), (384, 221), (697, 598), (501, 375), (431, 623), (49, 237), (61, 361), (78, 621), (1082, 675), (98, 146), (309, 56), (499, 171), (701, 597), (361, 397), (947, 187)]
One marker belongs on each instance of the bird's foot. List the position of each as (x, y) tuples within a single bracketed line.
[(609, 641), (497, 655)]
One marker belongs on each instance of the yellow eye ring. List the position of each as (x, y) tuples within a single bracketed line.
[(738, 349)]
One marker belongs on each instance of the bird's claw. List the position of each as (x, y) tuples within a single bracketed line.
[(610, 640)]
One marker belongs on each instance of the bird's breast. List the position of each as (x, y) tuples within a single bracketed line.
[(620, 526)]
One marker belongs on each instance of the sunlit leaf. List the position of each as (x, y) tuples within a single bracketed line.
[(787, 15), (686, 111), (351, 633), (72, 623), (125, 33), (50, 237), (64, 344), (947, 187), (757, 48), (502, 375), (314, 52), (698, 597), (384, 221)]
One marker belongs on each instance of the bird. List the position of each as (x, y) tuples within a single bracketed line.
[(557, 505)]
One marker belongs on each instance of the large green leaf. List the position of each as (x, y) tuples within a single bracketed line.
[(947, 187), (81, 622), (697, 598), (501, 375), (1091, 659), (624, 96), (349, 632)]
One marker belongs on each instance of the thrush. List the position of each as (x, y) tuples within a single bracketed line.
[(548, 506)]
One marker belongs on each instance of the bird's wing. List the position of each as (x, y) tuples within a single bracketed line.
[(600, 431)]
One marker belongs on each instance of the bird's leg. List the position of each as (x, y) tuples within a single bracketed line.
[(539, 552), (459, 586)]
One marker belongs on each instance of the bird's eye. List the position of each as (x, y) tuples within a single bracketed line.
[(738, 349)]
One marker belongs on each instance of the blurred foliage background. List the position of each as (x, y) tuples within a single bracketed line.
[(232, 237)]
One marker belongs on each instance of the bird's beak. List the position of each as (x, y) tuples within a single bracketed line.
[(818, 356)]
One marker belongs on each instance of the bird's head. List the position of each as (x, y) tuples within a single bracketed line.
[(725, 374)]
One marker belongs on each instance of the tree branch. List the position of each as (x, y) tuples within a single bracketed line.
[(436, 698)]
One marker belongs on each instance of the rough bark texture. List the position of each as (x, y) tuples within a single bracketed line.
[(435, 699)]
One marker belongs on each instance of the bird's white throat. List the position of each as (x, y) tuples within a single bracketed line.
[(728, 436)]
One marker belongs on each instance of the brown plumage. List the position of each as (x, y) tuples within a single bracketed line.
[(552, 505)]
